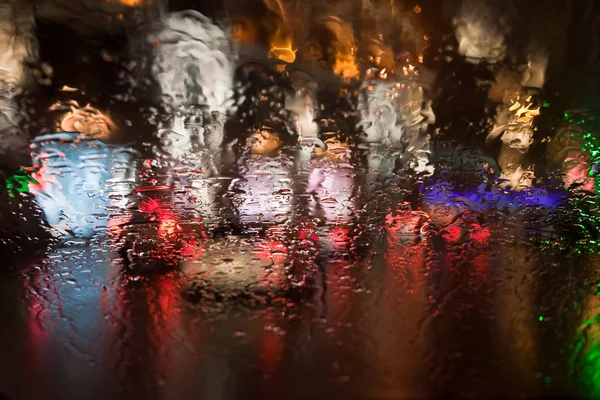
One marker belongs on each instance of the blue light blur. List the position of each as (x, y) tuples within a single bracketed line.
[(76, 177), (487, 197)]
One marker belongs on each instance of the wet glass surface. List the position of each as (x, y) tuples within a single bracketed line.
[(285, 199)]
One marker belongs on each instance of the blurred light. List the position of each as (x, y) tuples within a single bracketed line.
[(132, 3), (403, 225), (515, 122), (86, 120), (71, 181), (515, 127), (19, 182), (244, 31), (335, 150), (18, 46), (264, 142), (343, 47), (395, 117), (193, 61), (453, 234), (480, 32), (303, 104), (168, 223), (232, 265), (263, 193), (345, 66), (282, 47), (577, 148), (272, 345), (443, 203)]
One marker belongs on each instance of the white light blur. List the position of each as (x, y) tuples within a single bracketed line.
[(394, 118), (534, 74), (334, 187), (18, 50), (176, 140), (264, 190), (303, 104), (194, 65), (18, 46), (480, 33), (193, 61)]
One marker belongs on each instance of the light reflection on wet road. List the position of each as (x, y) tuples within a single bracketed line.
[(421, 313)]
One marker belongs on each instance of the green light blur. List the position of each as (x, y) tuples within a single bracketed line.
[(19, 183), (585, 361)]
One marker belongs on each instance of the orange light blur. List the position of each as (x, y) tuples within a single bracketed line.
[(410, 71), (343, 47), (86, 120), (524, 112), (345, 66), (336, 150), (130, 3), (282, 47), (265, 142), (244, 32)]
